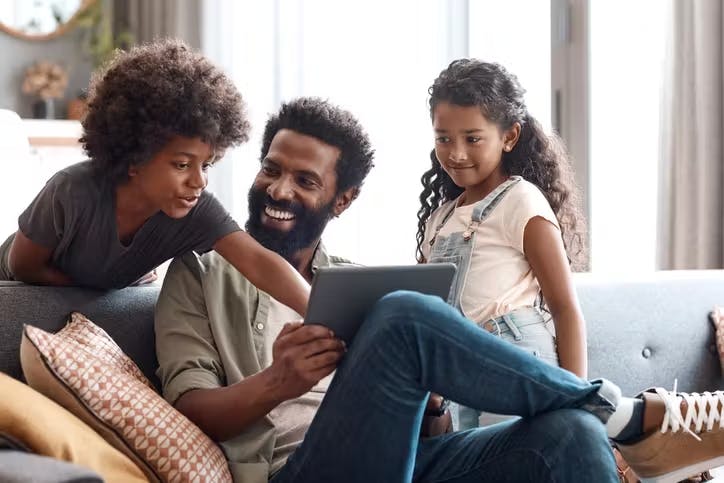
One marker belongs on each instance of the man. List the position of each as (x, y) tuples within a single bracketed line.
[(234, 364)]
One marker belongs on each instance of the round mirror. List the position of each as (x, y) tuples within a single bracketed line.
[(39, 19)]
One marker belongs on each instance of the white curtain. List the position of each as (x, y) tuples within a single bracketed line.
[(377, 65), (150, 19), (691, 213), (376, 58)]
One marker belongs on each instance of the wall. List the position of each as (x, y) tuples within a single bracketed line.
[(19, 54)]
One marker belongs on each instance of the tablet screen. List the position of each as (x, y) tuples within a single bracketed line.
[(342, 296)]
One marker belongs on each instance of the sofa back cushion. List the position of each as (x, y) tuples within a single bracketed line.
[(641, 332), (126, 315), (652, 329)]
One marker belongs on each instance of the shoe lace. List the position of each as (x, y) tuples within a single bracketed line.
[(706, 407)]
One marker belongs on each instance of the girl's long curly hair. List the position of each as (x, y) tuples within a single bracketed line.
[(537, 157)]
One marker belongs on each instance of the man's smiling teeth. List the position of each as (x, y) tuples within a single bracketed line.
[(278, 214)]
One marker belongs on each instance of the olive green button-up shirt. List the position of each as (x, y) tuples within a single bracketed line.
[(211, 325)]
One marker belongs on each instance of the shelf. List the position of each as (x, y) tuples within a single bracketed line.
[(52, 132)]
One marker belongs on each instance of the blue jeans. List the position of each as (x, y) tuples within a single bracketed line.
[(527, 328), (367, 427)]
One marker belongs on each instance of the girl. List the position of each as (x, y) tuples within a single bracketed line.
[(158, 118), (499, 203)]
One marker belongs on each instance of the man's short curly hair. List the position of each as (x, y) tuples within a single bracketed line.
[(144, 97), (337, 127)]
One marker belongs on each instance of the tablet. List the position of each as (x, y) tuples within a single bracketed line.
[(342, 296)]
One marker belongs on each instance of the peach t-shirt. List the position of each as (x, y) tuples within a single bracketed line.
[(500, 278)]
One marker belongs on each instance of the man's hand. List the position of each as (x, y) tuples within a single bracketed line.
[(303, 355), (437, 419), (434, 403)]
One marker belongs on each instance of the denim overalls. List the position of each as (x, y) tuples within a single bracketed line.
[(527, 327)]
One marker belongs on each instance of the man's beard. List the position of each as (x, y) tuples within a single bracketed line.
[(308, 224)]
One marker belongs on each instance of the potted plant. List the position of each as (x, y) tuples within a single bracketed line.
[(99, 43), (99, 39), (47, 81)]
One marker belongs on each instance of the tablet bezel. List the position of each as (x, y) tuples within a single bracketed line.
[(342, 295)]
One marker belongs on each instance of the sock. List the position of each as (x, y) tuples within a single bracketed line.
[(627, 421)]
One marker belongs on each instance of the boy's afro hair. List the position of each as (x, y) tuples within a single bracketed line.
[(142, 98)]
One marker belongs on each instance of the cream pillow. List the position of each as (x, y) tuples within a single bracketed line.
[(45, 428), (83, 370)]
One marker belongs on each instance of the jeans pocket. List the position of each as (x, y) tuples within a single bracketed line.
[(536, 340)]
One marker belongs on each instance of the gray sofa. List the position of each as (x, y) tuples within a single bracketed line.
[(641, 332), (127, 316)]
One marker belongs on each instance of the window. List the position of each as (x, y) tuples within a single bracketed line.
[(627, 50), (376, 58)]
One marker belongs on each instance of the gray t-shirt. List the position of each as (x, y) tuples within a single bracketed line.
[(74, 214)]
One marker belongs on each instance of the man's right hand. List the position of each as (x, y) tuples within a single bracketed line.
[(303, 355)]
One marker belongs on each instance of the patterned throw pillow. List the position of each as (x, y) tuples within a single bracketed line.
[(717, 318), (83, 370)]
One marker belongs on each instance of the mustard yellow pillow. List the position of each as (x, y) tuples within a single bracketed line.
[(47, 429), (84, 370)]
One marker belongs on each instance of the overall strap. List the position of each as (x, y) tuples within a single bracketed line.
[(486, 205), (481, 210)]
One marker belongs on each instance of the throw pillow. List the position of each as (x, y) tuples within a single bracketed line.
[(31, 421), (717, 319), (81, 368)]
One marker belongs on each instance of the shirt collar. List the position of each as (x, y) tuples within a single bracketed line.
[(321, 257)]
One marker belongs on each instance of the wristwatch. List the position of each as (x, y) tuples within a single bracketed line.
[(440, 410)]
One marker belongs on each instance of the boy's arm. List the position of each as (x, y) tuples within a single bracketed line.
[(30, 263), (265, 269)]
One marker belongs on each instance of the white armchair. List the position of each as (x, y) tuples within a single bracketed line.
[(12, 133), (31, 151), (17, 165)]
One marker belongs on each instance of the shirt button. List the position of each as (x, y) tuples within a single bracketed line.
[(646, 353), (260, 326)]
